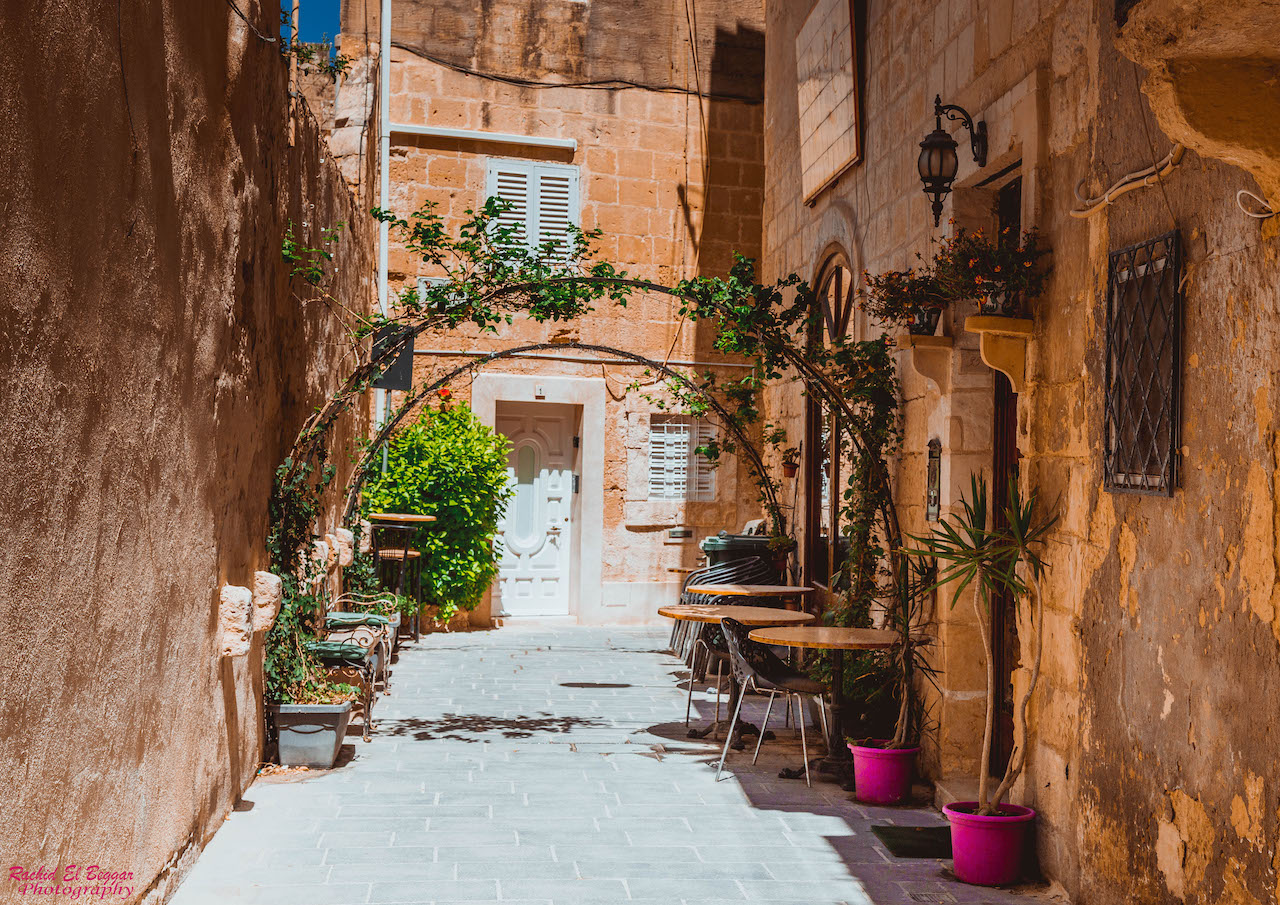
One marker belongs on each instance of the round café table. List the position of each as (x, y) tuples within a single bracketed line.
[(747, 615), (837, 640), (749, 590), (404, 524)]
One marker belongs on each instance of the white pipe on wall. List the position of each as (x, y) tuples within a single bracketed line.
[(384, 170)]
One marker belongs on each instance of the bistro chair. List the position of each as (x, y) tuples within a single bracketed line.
[(756, 667)]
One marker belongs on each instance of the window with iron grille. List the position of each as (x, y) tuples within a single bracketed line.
[(676, 470), (1143, 365)]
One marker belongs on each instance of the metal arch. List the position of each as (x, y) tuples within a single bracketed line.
[(360, 475)]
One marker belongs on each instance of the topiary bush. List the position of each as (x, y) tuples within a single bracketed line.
[(451, 465)]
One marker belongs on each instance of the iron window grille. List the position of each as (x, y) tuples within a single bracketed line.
[(1143, 362)]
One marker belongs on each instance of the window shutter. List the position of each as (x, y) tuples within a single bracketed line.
[(544, 200), (676, 471), (557, 207), (657, 463), (509, 180), (703, 476)]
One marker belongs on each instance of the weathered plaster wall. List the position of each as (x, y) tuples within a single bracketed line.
[(157, 364), (1179, 633), (674, 182), (1152, 761)]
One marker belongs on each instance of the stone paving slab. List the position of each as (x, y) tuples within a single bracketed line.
[(502, 771)]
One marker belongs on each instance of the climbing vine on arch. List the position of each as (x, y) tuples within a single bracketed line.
[(487, 277)]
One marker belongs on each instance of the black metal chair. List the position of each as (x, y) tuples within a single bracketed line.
[(756, 666)]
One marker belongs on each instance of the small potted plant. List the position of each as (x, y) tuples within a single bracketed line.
[(781, 547), (883, 768), (1003, 275), (988, 835), (790, 462), (914, 298), (310, 730)]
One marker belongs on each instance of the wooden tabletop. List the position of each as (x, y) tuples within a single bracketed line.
[(403, 517), (747, 615), (748, 590), (827, 637)]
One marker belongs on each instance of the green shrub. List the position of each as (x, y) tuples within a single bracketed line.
[(450, 465)]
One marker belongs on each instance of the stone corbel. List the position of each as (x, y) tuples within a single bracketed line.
[(1003, 344), (931, 357), (235, 626)]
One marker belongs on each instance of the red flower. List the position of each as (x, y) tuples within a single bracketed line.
[(445, 392)]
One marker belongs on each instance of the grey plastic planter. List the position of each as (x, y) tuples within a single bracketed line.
[(310, 735)]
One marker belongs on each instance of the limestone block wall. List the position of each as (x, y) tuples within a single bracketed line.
[(158, 364), (1149, 767), (673, 180)]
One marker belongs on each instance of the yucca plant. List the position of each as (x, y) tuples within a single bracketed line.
[(969, 552)]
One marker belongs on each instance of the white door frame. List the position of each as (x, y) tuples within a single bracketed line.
[(586, 551)]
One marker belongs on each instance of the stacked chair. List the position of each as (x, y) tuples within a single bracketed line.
[(700, 644)]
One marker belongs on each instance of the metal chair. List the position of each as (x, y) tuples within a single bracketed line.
[(748, 570), (755, 666)]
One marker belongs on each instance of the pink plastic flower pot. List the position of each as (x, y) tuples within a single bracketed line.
[(988, 850), (882, 775)]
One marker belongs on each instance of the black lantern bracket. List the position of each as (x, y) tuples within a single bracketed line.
[(977, 131)]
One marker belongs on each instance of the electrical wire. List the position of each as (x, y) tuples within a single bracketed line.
[(1135, 180), (1142, 113), (245, 19), (598, 84), (1262, 202), (1152, 175)]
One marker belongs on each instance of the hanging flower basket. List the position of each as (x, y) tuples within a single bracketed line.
[(914, 298), (1003, 275)]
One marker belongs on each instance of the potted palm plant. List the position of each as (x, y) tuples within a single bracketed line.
[(988, 835), (883, 768)]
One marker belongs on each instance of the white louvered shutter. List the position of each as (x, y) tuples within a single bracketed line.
[(557, 207), (544, 198), (509, 180), (702, 480)]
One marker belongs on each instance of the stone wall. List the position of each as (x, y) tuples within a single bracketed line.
[(1149, 767), (158, 364), (674, 181)]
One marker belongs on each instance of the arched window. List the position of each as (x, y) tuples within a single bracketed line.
[(825, 468)]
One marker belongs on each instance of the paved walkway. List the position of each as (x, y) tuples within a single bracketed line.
[(551, 766)]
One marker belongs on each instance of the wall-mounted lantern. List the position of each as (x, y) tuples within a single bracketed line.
[(938, 162), (933, 482)]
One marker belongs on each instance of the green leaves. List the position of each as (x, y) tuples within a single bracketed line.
[(450, 465), (306, 262), (969, 549)]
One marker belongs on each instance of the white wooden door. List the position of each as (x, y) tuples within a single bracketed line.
[(535, 534)]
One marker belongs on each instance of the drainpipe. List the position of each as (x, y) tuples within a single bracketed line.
[(382, 402), (293, 57)]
